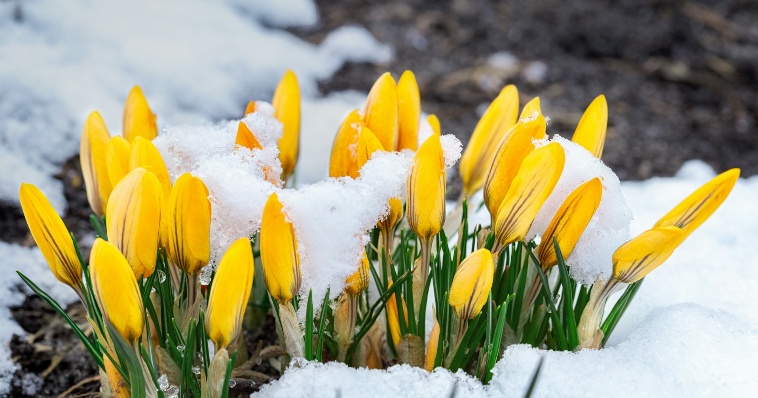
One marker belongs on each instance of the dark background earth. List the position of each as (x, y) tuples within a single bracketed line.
[(680, 77)]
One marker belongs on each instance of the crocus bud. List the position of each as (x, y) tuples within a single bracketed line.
[(229, 293), (434, 123), (367, 145), (696, 208), (134, 220), (432, 346), (279, 256), (536, 178), (92, 155), (590, 132), (381, 112), (245, 138), (117, 159), (286, 104), (343, 161), (393, 318), (51, 236), (570, 221), (409, 112), (358, 281), (389, 222), (144, 154), (139, 120), (472, 284), (189, 224), (644, 253), (116, 290), (514, 148), (425, 208), (250, 108), (485, 140)]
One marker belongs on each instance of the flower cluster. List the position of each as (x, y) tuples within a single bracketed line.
[(157, 331)]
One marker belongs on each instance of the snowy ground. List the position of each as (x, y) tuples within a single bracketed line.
[(692, 331)]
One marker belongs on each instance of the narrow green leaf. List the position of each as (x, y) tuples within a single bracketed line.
[(309, 328)]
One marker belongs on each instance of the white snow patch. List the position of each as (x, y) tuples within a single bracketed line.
[(609, 227)]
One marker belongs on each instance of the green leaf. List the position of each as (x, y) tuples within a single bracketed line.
[(133, 364), (557, 329), (93, 350), (619, 308), (322, 326), (536, 376), (309, 328), (567, 299)]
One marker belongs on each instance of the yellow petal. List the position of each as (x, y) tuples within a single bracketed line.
[(389, 222), (250, 108), (51, 235), (534, 182), (393, 317), (512, 151), (368, 143), (434, 122), (246, 138), (92, 155), (431, 347), (358, 281), (117, 159), (425, 192), (409, 112), (116, 290), (472, 284), (286, 104), (189, 224), (590, 132), (570, 221), (696, 208), (230, 292), (497, 120), (380, 113), (531, 111), (638, 257), (343, 161), (139, 120), (279, 256), (145, 155), (134, 220)]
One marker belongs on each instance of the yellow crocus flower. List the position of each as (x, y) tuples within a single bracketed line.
[(644, 253), (381, 112), (486, 138), (434, 123), (514, 148), (189, 224), (286, 104), (368, 143), (250, 108), (538, 175), (117, 159), (472, 284), (358, 281), (590, 132), (139, 120), (134, 220), (389, 222), (245, 138), (279, 256), (409, 112), (144, 154), (229, 293), (570, 221), (696, 208), (51, 236), (343, 160), (393, 317), (116, 290), (92, 155), (426, 190), (432, 346)]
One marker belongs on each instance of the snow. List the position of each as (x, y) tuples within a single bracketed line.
[(609, 227)]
